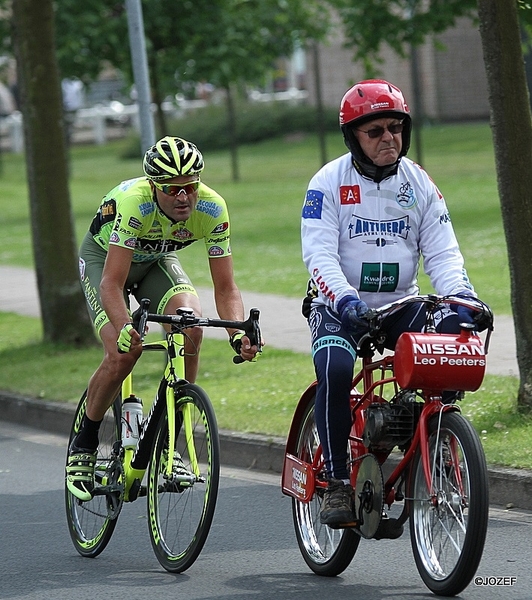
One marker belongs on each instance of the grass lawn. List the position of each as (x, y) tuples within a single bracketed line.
[(265, 207)]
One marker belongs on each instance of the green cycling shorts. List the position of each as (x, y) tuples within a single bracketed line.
[(158, 280)]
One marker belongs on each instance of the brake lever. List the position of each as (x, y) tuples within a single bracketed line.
[(140, 317), (252, 331)]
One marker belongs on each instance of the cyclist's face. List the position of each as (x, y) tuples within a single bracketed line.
[(383, 149), (176, 202)]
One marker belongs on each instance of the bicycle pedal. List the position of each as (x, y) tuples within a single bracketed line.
[(350, 525)]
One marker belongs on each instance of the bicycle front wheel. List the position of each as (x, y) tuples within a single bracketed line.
[(91, 524), (183, 480), (448, 524), (326, 551)]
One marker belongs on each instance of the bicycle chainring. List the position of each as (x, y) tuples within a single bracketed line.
[(369, 496)]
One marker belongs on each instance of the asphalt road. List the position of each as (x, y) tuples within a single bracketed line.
[(251, 551)]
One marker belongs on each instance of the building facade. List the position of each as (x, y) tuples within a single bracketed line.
[(450, 67)]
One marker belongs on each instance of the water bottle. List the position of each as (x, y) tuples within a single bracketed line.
[(132, 416)]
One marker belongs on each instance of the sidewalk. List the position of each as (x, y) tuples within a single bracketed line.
[(18, 294), (282, 324)]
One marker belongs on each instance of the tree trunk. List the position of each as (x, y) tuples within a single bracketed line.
[(511, 124), (64, 314)]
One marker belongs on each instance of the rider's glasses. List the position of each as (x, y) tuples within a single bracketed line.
[(174, 189), (377, 132)]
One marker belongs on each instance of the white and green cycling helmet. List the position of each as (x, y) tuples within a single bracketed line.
[(172, 157)]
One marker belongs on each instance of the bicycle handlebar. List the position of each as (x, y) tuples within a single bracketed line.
[(185, 319), (376, 316)]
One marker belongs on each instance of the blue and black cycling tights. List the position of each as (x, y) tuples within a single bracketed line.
[(334, 355)]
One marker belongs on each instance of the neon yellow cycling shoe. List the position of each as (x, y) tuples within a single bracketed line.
[(80, 473)]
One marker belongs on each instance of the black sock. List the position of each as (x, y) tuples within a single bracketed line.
[(87, 437)]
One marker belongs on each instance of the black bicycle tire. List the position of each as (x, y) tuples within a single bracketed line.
[(92, 544), (179, 559), (475, 471), (306, 515)]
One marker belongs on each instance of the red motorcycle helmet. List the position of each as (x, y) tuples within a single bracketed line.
[(368, 100)]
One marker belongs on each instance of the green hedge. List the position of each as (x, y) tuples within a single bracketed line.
[(257, 121)]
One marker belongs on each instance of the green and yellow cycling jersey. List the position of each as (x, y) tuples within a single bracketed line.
[(129, 217)]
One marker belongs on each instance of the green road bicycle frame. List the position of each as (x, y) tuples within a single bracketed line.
[(174, 373)]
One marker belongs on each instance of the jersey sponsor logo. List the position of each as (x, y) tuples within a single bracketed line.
[(322, 286), (217, 240), (209, 208), (313, 205), (445, 218), (160, 247), (349, 194), (182, 234), (394, 228), (406, 197), (146, 208), (114, 238), (108, 209), (124, 185), (220, 228), (117, 223), (134, 223), (379, 277), (123, 230), (215, 251), (130, 242)]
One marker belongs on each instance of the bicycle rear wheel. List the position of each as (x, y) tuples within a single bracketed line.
[(91, 524), (181, 501), (448, 528), (326, 551)]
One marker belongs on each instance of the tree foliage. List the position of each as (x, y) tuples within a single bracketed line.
[(368, 24)]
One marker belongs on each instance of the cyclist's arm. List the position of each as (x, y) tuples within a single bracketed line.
[(114, 276), (228, 299)]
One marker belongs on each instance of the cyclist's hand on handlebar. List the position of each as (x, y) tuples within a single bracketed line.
[(465, 314), (127, 338), (242, 346), (352, 311)]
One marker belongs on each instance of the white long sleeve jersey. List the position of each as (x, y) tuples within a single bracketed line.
[(366, 239)]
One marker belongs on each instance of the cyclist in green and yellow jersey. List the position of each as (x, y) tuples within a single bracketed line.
[(131, 247)]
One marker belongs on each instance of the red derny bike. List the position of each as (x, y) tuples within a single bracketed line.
[(438, 469)]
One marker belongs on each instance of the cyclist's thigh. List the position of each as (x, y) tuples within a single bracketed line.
[(91, 261), (413, 317), (168, 286)]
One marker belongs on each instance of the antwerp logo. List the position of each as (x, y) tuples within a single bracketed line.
[(391, 228), (349, 194)]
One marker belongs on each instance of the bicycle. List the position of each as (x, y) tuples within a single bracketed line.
[(438, 470), (178, 448)]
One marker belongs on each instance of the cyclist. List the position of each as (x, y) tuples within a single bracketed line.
[(131, 246), (368, 218)]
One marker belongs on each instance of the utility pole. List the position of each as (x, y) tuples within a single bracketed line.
[(137, 44)]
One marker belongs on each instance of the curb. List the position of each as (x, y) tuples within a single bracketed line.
[(511, 488)]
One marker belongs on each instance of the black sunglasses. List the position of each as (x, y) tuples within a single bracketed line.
[(377, 132)]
